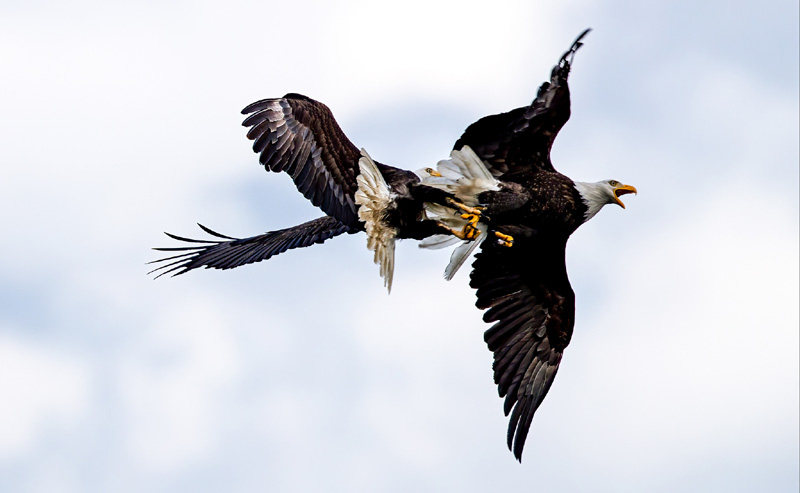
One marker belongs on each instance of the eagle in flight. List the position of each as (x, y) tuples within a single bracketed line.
[(498, 192)]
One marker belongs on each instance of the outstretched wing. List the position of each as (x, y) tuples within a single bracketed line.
[(528, 296), (522, 138), (298, 135), (233, 252)]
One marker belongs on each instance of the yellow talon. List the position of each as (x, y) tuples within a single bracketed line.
[(505, 240), (471, 218), (468, 232), (469, 210), (460, 234)]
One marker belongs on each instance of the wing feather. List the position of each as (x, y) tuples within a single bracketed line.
[(527, 294), (233, 252), (521, 138), (300, 136)]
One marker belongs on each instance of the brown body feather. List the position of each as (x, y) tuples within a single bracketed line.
[(525, 289)]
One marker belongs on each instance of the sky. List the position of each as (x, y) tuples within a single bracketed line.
[(121, 121)]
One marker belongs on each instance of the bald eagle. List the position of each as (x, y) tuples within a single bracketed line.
[(498, 192), (298, 135), (502, 162)]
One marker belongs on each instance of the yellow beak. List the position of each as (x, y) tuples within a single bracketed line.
[(622, 190), (433, 172)]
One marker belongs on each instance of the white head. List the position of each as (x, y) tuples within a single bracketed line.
[(424, 173), (596, 195)]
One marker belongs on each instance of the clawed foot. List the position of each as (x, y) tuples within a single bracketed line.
[(504, 240), (470, 231), (476, 211), (467, 233), (473, 215), (471, 218)]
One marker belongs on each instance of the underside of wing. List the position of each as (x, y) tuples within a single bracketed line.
[(228, 252), (521, 138), (527, 295), (299, 136)]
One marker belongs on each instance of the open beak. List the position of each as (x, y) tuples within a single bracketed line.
[(622, 190)]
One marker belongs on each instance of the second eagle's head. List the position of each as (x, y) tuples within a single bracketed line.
[(597, 194)]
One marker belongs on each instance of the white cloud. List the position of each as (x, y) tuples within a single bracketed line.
[(124, 121), (173, 385), (45, 390), (695, 340)]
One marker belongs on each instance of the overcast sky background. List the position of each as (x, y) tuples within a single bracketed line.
[(121, 120)]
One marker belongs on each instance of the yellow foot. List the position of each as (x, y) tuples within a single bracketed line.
[(505, 240), (471, 218), (468, 232), (476, 211)]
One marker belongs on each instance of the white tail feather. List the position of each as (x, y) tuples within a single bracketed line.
[(373, 198), (465, 176)]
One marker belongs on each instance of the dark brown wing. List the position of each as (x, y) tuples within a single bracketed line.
[(528, 296), (522, 138), (298, 135), (233, 252)]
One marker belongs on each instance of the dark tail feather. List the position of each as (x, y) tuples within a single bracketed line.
[(565, 63), (233, 252)]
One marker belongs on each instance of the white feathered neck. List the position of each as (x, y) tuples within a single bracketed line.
[(595, 196)]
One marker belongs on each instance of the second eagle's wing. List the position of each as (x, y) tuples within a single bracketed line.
[(299, 135), (522, 138), (526, 293)]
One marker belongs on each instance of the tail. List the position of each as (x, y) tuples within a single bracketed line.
[(565, 62), (465, 176), (374, 198), (233, 252)]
